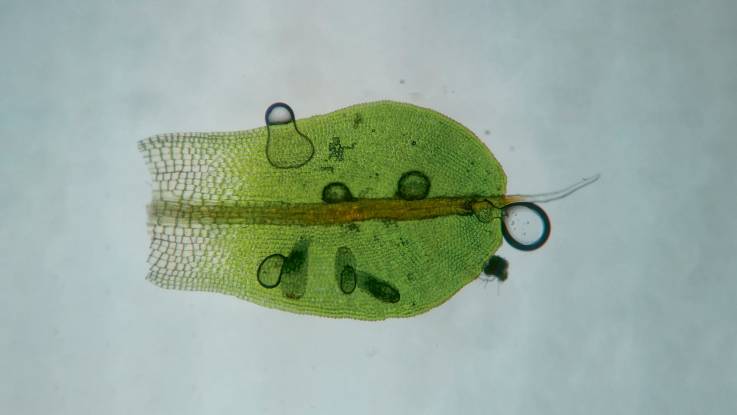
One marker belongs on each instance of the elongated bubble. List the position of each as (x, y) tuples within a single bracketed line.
[(286, 147)]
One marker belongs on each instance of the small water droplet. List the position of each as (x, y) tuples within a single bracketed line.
[(279, 113), (336, 192), (413, 185)]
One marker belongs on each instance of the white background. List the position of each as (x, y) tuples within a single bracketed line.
[(630, 307)]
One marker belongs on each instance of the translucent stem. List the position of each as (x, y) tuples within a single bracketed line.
[(550, 196)]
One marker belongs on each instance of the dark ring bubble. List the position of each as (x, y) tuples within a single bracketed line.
[(336, 192), (270, 271), (413, 185), (348, 279), (279, 113), (512, 212)]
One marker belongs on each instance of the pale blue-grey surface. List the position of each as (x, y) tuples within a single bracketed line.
[(630, 308)]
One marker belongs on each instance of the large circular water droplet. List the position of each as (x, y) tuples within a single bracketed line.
[(525, 226)]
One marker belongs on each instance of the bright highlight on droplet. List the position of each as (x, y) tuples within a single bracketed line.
[(279, 114)]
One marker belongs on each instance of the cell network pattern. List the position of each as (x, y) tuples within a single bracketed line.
[(373, 211)]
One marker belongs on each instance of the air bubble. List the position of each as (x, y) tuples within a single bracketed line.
[(535, 231), (348, 279), (286, 146), (413, 185), (279, 113), (269, 272), (345, 270), (336, 192)]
